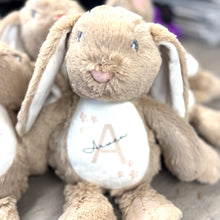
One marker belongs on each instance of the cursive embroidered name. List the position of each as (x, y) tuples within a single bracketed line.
[(101, 147), (95, 147)]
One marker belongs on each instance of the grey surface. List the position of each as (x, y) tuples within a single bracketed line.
[(44, 198)]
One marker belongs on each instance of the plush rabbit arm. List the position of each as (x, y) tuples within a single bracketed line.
[(180, 144)]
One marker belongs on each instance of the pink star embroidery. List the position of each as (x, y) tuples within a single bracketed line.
[(94, 119), (120, 174), (133, 174), (83, 117), (131, 163)]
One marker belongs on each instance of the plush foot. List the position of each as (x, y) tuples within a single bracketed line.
[(205, 86), (206, 122), (8, 209), (212, 160), (144, 203), (86, 202)]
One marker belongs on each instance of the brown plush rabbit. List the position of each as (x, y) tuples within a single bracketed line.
[(15, 72), (106, 134), (204, 85), (27, 29)]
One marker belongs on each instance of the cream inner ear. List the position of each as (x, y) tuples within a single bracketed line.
[(11, 36), (46, 82), (168, 86)]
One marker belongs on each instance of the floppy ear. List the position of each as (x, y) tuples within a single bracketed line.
[(10, 31), (171, 84), (49, 61)]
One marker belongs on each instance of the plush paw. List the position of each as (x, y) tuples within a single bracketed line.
[(145, 203), (206, 122), (163, 212), (88, 211), (212, 160), (8, 209)]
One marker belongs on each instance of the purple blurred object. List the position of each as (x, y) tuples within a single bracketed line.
[(170, 25)]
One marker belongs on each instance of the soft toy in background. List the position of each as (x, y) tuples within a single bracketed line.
[(16, 165), (15, 72), (104, 134), (204, 85), (26, 30), (142, 7)]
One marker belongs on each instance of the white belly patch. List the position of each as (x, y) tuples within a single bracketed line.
[(8, 141), (107, 144)]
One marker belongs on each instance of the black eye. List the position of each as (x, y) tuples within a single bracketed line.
[(79, 36), (17, 57), (134, 45), (33, 13)]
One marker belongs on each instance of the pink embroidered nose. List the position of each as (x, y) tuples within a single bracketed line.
[(101, 77)]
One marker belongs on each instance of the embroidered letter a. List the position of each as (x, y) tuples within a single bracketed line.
[(103, 145)]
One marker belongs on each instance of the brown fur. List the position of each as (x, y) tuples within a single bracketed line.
[(105, 46), (33, 30)]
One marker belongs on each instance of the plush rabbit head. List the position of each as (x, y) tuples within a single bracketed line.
[(141, 7), (111, 54), (15, 72), (29, 27)]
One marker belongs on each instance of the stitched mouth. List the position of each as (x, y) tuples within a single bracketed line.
[(101, 77)]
